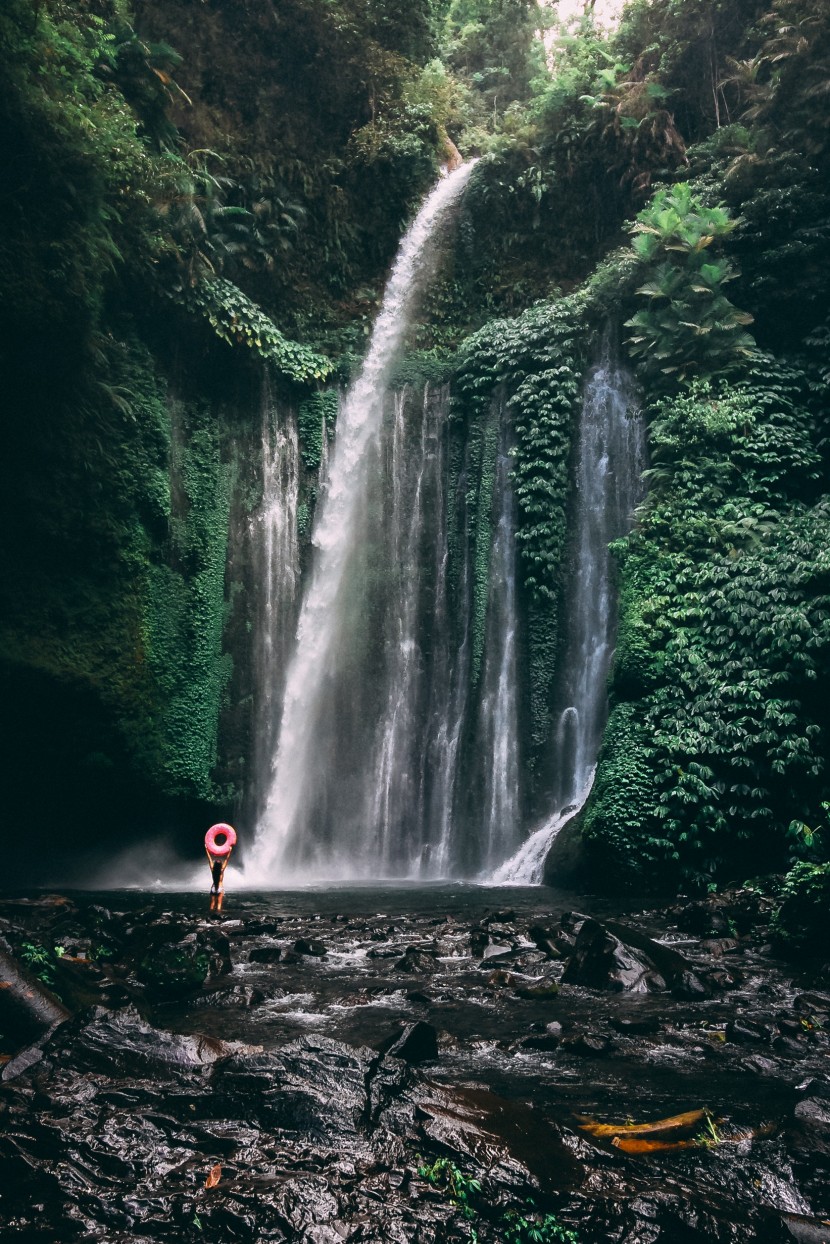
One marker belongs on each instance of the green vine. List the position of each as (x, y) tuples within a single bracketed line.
[(536, 362), (239, 321), (316, 417)]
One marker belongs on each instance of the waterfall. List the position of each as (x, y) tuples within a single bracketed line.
[(608, 486), (274, 539), (313, 825), (499, 710)]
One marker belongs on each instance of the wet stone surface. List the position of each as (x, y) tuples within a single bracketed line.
[(294, 1069)]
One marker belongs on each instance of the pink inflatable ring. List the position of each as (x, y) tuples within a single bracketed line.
[(220, 840)]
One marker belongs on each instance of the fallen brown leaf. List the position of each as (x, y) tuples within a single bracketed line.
[(631, 1144), (674, 1123), (214, 1176)]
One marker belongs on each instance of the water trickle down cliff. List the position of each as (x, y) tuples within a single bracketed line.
[(275, 542), (608, 486)]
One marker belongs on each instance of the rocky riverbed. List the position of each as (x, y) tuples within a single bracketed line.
[(434, 1065)]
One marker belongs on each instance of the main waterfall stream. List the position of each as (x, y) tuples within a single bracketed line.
[(335, 801)]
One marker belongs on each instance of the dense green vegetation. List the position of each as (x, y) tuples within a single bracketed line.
[(198, 193)]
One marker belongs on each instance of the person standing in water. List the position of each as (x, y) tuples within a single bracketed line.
[(220, 840)]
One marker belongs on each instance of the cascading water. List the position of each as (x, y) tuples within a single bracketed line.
[(274, 537), (610, 462), (315, 825), (499, 709)]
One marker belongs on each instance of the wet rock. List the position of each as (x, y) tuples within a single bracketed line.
[(588, 1044), (740, 1030), (265, 954), (520, 959), (310, 946), (538, 991), (497, 948), (545, 1042), (725, 978), (816, 1088), (719, 946), (417, 995), (689, 986), (383, 952), (703, 919), (122, 1043), (601, 961), (229, 997), (416, 1043), (254, 927), (813, 1005), (668, 963), (635, 1026), (572, 921), (761, 1066), (508, 1139), (314, 1085), (804, 1230), (545, 940), (172, 970), (417, 960), (814, 1112), (505, 915)]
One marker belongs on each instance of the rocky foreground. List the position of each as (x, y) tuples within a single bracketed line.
[(279, 1075)]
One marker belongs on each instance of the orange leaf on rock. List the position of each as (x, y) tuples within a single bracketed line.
[(675, 1123), (214, 1176)]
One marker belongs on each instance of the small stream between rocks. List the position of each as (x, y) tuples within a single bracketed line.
[(282, 1072)]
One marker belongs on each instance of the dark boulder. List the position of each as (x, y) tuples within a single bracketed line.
[(416, 960), (814, 1112), (601, 961), (543, 1041), (310, 946), (415, 1043), (538, 991), (265, 954), (588, 1044)]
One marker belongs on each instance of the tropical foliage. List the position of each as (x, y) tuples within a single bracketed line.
[(690, 326)]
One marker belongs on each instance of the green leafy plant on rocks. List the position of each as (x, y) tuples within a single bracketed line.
[(517, 1225), (239, 321), (689, 327), (801, 923)]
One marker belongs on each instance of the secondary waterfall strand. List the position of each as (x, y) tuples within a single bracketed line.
[(335, 538), (611, 457)]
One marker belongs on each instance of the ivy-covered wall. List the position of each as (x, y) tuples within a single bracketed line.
[(718, 739), (115, 509)]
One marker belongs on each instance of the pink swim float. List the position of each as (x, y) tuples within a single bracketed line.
[(220, 839)]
